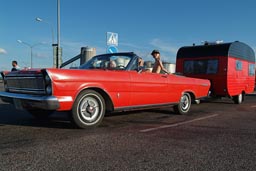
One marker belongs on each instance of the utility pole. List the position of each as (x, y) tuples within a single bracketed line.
[(59, 50)]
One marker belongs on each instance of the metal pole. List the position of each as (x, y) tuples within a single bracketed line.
[(53, 45), (52, 42), (52, 33), (31, 50), (58, 35), (31, 56), (52, 30)]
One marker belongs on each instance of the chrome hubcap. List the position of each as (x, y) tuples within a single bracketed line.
[(89, 109), (184, 102)]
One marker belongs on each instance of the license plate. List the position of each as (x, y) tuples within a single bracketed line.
[(18, 104)]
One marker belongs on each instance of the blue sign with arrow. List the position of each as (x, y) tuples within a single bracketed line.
[(112, 49)]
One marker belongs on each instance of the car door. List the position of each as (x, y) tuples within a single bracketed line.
[(118, 86), (148, 88)]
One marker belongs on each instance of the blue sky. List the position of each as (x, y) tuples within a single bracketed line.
[(142, 25)]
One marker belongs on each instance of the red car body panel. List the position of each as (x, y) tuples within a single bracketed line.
[(72, 82), (124, 88)]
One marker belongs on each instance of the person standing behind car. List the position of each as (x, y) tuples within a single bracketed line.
[(15, 66), (158, 66)]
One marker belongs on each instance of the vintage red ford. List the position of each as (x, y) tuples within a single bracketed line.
[(106, 83)]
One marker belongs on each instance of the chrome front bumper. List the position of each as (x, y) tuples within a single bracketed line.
[(28, 101)]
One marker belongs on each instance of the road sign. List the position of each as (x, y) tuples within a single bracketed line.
[(112, 39), (112, 49)]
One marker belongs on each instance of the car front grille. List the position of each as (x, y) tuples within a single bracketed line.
[(25, 84)]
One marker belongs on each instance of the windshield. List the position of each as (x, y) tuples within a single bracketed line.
[(108, 61)]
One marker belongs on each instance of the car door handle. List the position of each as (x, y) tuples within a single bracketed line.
[(164, 76)]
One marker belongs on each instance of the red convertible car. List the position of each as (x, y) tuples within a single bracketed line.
[(106, 83)]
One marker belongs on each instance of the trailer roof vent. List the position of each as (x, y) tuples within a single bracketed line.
[(212, 42)]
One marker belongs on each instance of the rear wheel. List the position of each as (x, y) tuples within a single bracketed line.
[(40, 114), (88, 109), (239, 98), (184, 105)]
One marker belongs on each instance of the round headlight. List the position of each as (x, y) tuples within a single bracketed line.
[(49, 89), (47, 79)]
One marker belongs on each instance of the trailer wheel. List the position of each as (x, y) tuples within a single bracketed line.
[(239, 98), (184, 105), (88, 109)]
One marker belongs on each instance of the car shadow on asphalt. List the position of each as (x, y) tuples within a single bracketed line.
[(10, 116), (251, 95), (138, 117), (165, 110), (227, 101), (60, 120)]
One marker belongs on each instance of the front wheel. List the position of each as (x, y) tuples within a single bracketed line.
[(88, 109), (184, 105)]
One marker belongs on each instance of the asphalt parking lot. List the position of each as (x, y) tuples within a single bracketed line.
[(217, 135)]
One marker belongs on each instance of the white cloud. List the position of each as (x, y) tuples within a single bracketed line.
[(168, 50), (130, 45), (3, 51), (73, 48), (41, 55), (73, 44), (164, 46), (142, 51)]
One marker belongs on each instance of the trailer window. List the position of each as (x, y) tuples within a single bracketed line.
[(251, 69), (239, 65), (201, 66), (212, 66)]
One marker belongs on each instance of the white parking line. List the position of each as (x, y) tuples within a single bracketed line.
[(178, 124)]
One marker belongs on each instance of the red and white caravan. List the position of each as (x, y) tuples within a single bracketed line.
[(229, 66)]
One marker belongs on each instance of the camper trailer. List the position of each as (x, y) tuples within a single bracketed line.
[(230, 67)]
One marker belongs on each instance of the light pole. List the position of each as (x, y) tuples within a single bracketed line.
[(59, 50), (31, 50), (41, 20), (53, 45)]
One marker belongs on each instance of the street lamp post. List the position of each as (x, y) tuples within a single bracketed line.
[(31, 50), (53, 44), (41, 20), (59, 50)]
